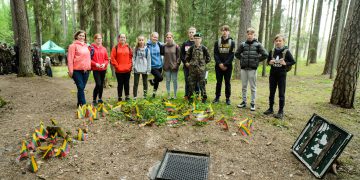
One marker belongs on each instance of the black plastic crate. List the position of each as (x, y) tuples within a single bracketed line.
[(180, 165), (320, 144)]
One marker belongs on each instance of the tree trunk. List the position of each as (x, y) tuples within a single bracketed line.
[(298, 36), (332, 42), (117, 19), (345, 83), (158, 13), (14, 24), (38, 24), (63, 19), (73, 16), (291, 20), (244, 23), (112, 32), (277, 19), (311, 33), (339, 37), (314, 41), (25, 62), (167, 15), (82, 14), (261, 32), (326, 21), (267, 29), (97, 15)]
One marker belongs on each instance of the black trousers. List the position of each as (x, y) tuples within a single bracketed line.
[(157, 77), (99, 77), (220, 75), (123, 80), (277, 80)]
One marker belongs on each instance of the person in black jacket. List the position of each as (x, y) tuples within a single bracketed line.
[(224, 55), (281, 61), (250, 53)]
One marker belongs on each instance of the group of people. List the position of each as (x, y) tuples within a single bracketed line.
[(9, 61), (154, 57)]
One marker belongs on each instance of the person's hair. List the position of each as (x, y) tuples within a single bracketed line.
[(97, 36), (225, 28), (250, 30), (79, 32), (137, 42), (279, 36), (154, 33), (192, 28), (169, 34)]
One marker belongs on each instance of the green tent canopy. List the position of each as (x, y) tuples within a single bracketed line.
[(51, 47)]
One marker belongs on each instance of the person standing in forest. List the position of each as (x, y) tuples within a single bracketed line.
[(184, 48), (156, 62), (250, 53), (121, 59), (79, 64), (223, 55), (171, 52), (281, 61), (99, 62), (196, 59), (141, 65)]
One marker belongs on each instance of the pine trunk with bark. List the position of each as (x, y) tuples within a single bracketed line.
[(345, 84), (277, 19), (63, 18), (331, 50), (261, 32), (38, 24), (25, 62), (158, 14), (73, 16), (314, 41), (14, 24), (244, 23), (97, 16), (298, 36), (112, 31), (82, 14), (307, 47), (167, 15)]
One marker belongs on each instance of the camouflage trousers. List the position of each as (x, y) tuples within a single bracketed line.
[(193, 80)]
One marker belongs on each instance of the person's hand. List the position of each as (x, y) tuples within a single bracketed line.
[(187, 64), (70, 74), (221, 66), (102, 65), (97, 65), (224, 68), (282, 62), (272, 61)]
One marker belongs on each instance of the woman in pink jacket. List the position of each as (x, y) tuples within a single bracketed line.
[(99, 62), (79, 64)]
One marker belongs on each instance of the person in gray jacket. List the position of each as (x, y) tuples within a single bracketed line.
[(250, 53), (141, 61)]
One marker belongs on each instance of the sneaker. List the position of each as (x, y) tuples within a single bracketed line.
[(216, 100), (135, 98), (119, 99), (151, 81), (127, 98), (279, 115), (269, 111), (228, 102), (242, 105), (252, 107), (174, 97), (94, 102), (100, 101)]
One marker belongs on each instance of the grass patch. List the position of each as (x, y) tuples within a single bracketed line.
[(2, 102)]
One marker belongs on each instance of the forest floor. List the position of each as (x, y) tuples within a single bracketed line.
[(119, 150)]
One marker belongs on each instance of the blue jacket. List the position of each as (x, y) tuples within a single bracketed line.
[(156, 61)]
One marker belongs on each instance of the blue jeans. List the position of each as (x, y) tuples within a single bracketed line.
[(171, 75), (80, 77)]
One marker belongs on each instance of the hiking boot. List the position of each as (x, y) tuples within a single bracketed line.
[(228, 102), (151, 81), (279, 115), (252, 107), (242, 105), (216, 100), (269, 111)]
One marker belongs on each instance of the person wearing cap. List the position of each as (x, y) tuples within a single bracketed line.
[(196, 59), (223, 55), (250, 53)]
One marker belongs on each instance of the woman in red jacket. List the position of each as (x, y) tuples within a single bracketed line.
[(79, 64), (121, 59), (99, 62)]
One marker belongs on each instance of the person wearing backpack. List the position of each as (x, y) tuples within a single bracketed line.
[(196, 59), (171, 52), (141, 65), (281, 60), (223, 55), (156, 62), (250, 53), (99, 62), (121, 59), (79, 64)]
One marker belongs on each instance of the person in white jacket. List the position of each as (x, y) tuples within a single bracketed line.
[(141, 65)]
